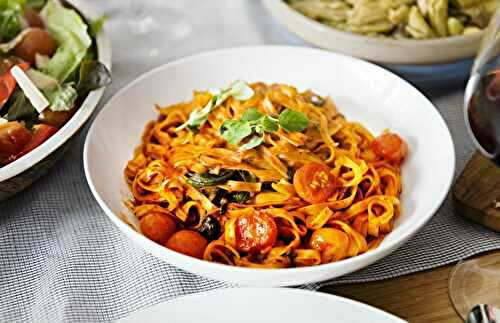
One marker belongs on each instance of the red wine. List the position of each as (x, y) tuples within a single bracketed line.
[(484, 114)]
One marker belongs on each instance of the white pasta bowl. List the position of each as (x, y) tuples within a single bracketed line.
[(376, 49), (362, 91)]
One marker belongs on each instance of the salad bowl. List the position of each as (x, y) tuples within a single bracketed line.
[(25, 170)]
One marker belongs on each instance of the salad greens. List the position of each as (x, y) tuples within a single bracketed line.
[(10, 22), (70, 32), (54, 51)]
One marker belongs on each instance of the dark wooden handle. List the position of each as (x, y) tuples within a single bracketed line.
[(476, 192)]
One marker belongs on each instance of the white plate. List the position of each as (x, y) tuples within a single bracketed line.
[(251, 305), (380, 50), (362, 91)]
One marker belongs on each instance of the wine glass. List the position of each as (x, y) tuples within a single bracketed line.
[(477, 281)]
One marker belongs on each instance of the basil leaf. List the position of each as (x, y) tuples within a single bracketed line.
[(207, 179), (251, 114), (238, 90), (20, 109), (269, 124), (235, 131), (292, 120), (93, 75), (254, 141)]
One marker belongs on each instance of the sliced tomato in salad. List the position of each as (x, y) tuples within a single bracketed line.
[(16, 141), (8, 82), (41, 133), (13, 138)]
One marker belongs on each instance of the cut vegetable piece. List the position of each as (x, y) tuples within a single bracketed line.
[(41, 133), (33, 94), (70, 32), (8, 84)]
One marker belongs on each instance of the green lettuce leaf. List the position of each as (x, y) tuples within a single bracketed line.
[(61, 98), (70, 32), (10, 23)]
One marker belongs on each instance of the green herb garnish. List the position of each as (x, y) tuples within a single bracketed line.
[(254, 124), (292, 120), (238, 90)]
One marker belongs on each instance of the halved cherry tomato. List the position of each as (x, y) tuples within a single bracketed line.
[(314, 182), (8, 82), (13, 138), (35, 41), (391, 147), (41, 133), (255, 233), (158, 227), (188, 242), (332, 243)]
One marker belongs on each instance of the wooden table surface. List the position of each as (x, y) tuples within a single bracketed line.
[(421, 297)]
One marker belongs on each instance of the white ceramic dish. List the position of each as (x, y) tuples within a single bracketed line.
[(380, 50), (250, 305), (362, 91), (77, 121)]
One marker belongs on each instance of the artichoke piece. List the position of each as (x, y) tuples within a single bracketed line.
[(455, 27), (438, 16), (470, 30), (323, 10), (417, 26), (399, 15)]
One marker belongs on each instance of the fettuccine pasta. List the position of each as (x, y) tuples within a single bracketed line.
[(264, 176)]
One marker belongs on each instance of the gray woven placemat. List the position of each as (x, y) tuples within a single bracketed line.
[(61, 259)]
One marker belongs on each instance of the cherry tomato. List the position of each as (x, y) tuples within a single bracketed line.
[(56, 118), (13, 138), (255, 233), (314, 182), (391, 147), (332, 243), (7, 81), (158, 227), (41, 133), (188, 242), (32, 18), (36, 41)]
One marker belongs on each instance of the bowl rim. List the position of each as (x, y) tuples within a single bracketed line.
[(273, 6), (82, 114), (448, 40), (207, 267)]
